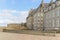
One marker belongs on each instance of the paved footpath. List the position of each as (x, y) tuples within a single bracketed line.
[(14, 36)]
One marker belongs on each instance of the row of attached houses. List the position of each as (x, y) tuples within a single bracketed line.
[(45, 17)]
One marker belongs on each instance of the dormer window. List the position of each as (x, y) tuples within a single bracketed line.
[(53, 5), (49, 8), (41, 10), (57, 3), (45, 9)]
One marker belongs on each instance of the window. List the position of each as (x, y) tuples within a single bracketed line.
[(38, 14), (49, 7), (53, 14), (53, 23), (38, 20), (45, 9), (41, 14), (45, 16), (57, 12), (49, 14), (57, 22)]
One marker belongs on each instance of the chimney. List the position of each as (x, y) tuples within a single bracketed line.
[(57, 0), (42, 3), (51, 2)]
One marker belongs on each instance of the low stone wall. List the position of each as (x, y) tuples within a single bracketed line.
[(31, 32)]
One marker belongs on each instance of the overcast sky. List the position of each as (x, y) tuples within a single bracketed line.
[(16, 11)]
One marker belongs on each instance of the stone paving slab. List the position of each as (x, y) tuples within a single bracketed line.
[(14, 36)]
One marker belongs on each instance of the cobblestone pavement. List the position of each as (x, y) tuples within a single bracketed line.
[(14, 36)]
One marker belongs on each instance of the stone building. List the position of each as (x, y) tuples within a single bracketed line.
[(30, 19), (52, 16), (46, 16), (16, 26), (38, 18), (13, 26)]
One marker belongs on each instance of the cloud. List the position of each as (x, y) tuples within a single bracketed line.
[(12, 16)]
